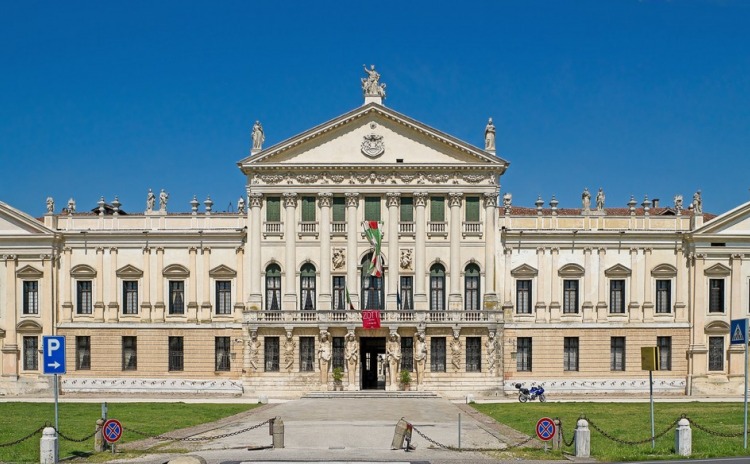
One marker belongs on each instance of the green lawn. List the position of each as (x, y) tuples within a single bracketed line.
[(78, 420), (631, 422)]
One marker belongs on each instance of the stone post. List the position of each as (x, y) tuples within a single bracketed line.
[(99, 437), (557, 437), (278, 433), (48, 446), (683, 438), (583, 439)]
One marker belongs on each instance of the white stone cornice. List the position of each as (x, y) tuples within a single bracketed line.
[(455, 198), (325, 199), (393, 198), (256, 199), (352, 198), (290, 199)]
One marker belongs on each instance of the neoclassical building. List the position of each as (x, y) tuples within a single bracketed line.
[(475, 293)]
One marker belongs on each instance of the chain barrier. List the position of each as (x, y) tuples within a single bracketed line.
[(77, 440), (562, 435), (712, 432), (214, 437), (35, 432), (455, 448), (627, 442)]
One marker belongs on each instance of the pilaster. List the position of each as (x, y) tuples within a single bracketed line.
[(541, 286), (10, 346), (255, 298), (420, 276), (157, 314), (113, 308), (206, 310), (634, 308), (587, 307), (325, 199), (554, 306), (352, 202), (601, 304), (393, 200), (454, 297), (490, 215), (192, 306), (647, 285), (146, 304)]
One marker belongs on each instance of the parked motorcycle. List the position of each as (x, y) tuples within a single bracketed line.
[(526, 394)]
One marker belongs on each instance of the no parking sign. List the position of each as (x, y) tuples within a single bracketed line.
[(112, 430), (545, 429)]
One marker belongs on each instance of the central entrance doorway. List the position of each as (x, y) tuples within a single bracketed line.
[(373, 362)]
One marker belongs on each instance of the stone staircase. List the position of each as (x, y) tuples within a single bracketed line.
[(371, 394)]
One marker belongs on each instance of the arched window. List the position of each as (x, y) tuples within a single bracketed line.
[(273, 288), (471, 288), (372, 287), (307, 287), (437, 287)]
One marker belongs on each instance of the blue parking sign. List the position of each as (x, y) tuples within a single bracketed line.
[(738, 332), (53, 354)]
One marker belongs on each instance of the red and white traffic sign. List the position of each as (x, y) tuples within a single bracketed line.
[(112, 430), (545, 429)]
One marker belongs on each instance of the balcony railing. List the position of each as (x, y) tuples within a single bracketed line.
[(273, 228), (355, 316), (437, 228), (308, 228), (406, 228), (338, 228), (472, 229)]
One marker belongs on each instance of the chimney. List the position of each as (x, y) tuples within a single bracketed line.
[(655, 202)]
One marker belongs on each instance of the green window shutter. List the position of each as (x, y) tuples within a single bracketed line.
[(407, 209), (273, 209), (308, 209), (339, 209), (472, 209), (372, 208), (437, 209)]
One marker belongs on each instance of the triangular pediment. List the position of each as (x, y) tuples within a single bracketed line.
[(373, 137), (222, 272), (29, 272), (129, 272), (524, 270), (732, 223), (16, 222), (717, 270), (618, 270)]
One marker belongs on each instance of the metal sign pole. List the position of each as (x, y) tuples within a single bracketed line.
[(745, 428), (57, 422), (651, 395)]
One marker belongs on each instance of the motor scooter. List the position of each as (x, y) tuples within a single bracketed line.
[(526, 394)]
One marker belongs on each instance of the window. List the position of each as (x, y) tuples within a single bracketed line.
[(30, 353), (473, 354), (406, 213), (176, 354), (472, 209), (83, 353), (176, 297), (308, 209), (523, 354), (30, 297), (715, 353), (273, 209), (437, 209), (716, 296), (273, 288), (307, 287), (406, 293), (339, 293), (222, 353), (129, 353), (617, 353), (570, 353), (523, 296), (617, 296), (271, 354), (130, 297), (407, 354), (471, 288), (437, 287), (223, 297), (570, 296), (437, 354), (372, 208), (338, 210), (663, 296), (665, 353), (83, 292), (307, 354), (372, 287), (337, 359)]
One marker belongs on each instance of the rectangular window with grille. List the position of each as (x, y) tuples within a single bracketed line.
[(30, 353), (437, 209), (83, 292), (30, 297), (176, 297), (129, 353), (617, 296), (437, 354), (523, 354), (570, 296), (437, 292), (307, 289), (130, 297), (406, 213), (473, 354), (665, 353), (372, 208), (715, 353), (83, 353), (337, 358), (407, 354), (222, 351), (273, 209), (716, 295), (617, 353), (338, 210), (176, 354), (339, 293), (471, 290), (307, 354), (406, 293), (663, 296), (223, 297), (271, 354), (472, 209), (523, 296), (570, 353), (308, 209)]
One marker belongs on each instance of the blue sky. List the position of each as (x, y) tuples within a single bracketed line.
[(114, 98)]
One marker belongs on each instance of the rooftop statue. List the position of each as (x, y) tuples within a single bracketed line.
[(600, 200), (697, 203), (258, 136), (586, 199), (150, 200), (371, 84), (163, 197), (489, 136)]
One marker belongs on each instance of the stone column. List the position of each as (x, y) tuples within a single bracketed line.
[(324, 296), (601, 304), (420, 271), (634, 313), (648, 285), (10, 346), (113, 310), (206, 309), (393, 199), (289, 298), (159, 307), (99, 304), (507, 291), (192, 306), (587, 307), (66, 282), (490, 214), (454, 297), (146, 304), (254, 259), (239, 305), (352, 202), (699, 299), (554, 306), (541, 287)]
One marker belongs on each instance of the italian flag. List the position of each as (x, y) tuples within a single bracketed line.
[(375, 237)]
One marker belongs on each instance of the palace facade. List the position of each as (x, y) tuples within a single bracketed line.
[(475, 294)]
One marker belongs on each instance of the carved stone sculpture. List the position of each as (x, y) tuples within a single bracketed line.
[(289, 347), (351, 353), (324, 355), (491, 345), (339, 258), (600, 200), (489, 136), (50, 205), (406, 259), (371, 85), (678, 203), (71, 206), (697, 203), (507, 201), (586, 200), (420, 357), (394, 357), (258, 136), (254, 351), (456, 353), (241, 205), (150, 200), (163, 198)]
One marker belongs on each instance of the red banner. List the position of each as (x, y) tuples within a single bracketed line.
[(371, 319)]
